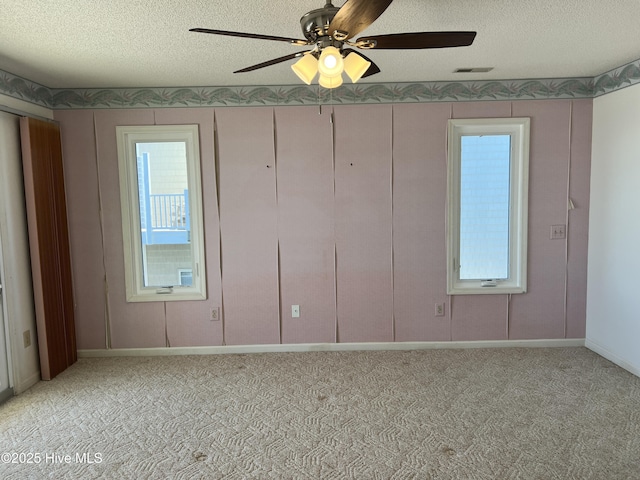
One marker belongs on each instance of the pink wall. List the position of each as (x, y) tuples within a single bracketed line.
[(306, 233), (419, 201), (248, 225), (363, 204), (339, 210)]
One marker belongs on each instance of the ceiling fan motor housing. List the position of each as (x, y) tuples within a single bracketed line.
[(314, 23)]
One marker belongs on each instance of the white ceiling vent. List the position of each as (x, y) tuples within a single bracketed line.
[(473, 70)]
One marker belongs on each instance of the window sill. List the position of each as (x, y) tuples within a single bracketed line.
[(498, 290)]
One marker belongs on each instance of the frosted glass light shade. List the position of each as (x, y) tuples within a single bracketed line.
[(330, 82), (306, 68), (355, 66), (330, 63)]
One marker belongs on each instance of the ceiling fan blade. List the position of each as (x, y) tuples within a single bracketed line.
[(421, 40), (356, 15), (294, 41), (271, 62), (373, 68)]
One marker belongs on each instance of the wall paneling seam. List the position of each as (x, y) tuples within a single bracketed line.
[(508, 313), (393, 267), (567, 219), (167, 343), (446, 216), (278, 258), (107, 311), (508, 319), (216, 161), (335, 245)]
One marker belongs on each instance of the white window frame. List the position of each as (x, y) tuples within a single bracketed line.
[(127, 138), (518, 129)]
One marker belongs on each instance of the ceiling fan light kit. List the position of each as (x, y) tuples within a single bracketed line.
[(355, 66), (306, 68), (330, 63), (330, 29), (330, 82)]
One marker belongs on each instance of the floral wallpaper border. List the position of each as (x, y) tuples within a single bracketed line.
[(22, 89), (534, 89)]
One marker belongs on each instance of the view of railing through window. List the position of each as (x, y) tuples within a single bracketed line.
[(169, 211), (164, 217), (165, 225)]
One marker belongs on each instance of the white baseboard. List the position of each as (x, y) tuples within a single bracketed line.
[(621, 362), (328, 347), (26, 383)]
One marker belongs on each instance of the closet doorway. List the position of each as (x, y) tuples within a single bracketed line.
[(9, 161), (18, 336)]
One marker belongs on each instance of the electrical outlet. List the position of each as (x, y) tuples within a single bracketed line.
[(26, 338), (439, 310), (295, 311), (558, 232), (215, 314)]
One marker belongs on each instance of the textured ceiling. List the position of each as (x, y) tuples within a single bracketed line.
[(146, 43)]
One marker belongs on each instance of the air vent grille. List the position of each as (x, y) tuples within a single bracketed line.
[(473, 70)]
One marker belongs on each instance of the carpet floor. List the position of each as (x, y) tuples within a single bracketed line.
[(513, 413)]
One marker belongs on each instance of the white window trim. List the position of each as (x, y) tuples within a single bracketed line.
[(518, 128), (127, 137)]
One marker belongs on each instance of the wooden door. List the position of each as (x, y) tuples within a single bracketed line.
[(49, 244)]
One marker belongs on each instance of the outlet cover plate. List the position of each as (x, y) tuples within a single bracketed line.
[(558, 232)]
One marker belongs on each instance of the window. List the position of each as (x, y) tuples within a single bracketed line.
[(488, 172), (162, 226), (185, 277)]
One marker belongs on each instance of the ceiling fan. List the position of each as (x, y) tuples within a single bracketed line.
[(331, 30)]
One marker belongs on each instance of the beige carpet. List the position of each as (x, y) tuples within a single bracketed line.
[(562, 413)]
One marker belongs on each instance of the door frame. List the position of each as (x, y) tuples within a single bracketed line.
[(5, 344), (15, 271)]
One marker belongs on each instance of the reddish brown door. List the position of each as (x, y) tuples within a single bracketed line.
[(49, 244)]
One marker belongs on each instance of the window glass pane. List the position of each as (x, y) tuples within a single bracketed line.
[(484, 206), (186, 277), (164, 212)]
